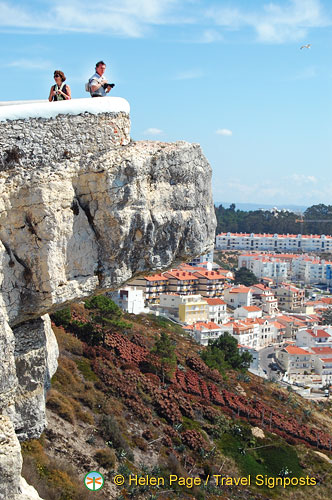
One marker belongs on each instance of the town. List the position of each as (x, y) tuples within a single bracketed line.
[(282, 317)]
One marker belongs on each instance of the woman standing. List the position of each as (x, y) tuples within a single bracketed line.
[(60, 91)]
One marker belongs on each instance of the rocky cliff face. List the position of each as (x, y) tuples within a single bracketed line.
[(82, 210)]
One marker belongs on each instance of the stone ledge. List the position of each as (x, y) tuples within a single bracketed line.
[(41, 109)]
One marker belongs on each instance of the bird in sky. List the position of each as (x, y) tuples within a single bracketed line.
[(306, 46)]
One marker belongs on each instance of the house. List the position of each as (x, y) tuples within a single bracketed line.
[(202, 259), (153, 286), (211, 283), (263, 297), (323, 367), (237, 296), (291, 323), (217, 310), (322, 352), (130, 299), (290, 298), (205, 332), (245, 332), (279, 329), (268, 333), (181, 282), (185, 308), (262, 265), (249, 312), (322, 357), (315, 337), (295, 361)]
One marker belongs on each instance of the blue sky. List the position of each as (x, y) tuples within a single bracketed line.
[(229, 75)]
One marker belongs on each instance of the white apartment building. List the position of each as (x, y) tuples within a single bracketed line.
[(315, 337), (323, 367), (296, 267), (246, 332), (205, 332), (280, 242), (311, 269), (217, 310), (264, 298), (237, 296), (130, 299), (185, 308), (265, 265), (296, 361), (248, 312), (202, 259)]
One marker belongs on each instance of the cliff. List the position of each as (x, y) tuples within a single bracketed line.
[(83, 209)]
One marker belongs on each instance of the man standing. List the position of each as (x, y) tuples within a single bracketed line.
[(98, 85)]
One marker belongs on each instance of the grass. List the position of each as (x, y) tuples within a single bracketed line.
[(53, 479), (165, 323), (84, 367), (272, 460)]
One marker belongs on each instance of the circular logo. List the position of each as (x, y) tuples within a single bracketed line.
[(94, 480)]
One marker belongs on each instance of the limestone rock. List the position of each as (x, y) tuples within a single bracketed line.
[(83, 209), (36, 353), (74, 227), (10, 460)]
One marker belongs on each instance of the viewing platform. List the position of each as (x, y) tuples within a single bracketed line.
[(43, 132), (20, 110)]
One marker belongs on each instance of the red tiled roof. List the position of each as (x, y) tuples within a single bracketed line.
[(260, 235), (180, 275), (210, 325), (251, 308), (322, 334), (211, 275), (322, 350), (215, 302), (240, 289), (155, 277), (296, 350)]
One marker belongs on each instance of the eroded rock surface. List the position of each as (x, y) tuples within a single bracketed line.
[(76, 220)]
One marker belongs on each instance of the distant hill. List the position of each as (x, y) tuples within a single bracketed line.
[(315, 220), (247, 207)]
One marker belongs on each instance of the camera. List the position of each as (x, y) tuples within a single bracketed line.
[(106, 85)]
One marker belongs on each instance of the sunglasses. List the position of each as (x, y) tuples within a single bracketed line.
[(55, 76)]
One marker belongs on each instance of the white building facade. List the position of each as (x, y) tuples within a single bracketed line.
[(280, 242)]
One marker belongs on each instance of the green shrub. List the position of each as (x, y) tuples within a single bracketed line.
[(223, 354), (68, 342), (105, 457), (61, 405), (84, 366), (111, 432), (62, 317)]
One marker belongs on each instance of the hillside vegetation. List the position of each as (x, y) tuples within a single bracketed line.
[(137, 398), (316, 220)]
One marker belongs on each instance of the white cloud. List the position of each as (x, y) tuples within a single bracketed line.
[(305, 74), (274, 22), (303, 179), (297, 189), (189, 75), (210, 36), (152, 131), (224, 131), (130, 18), (30, 64)]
